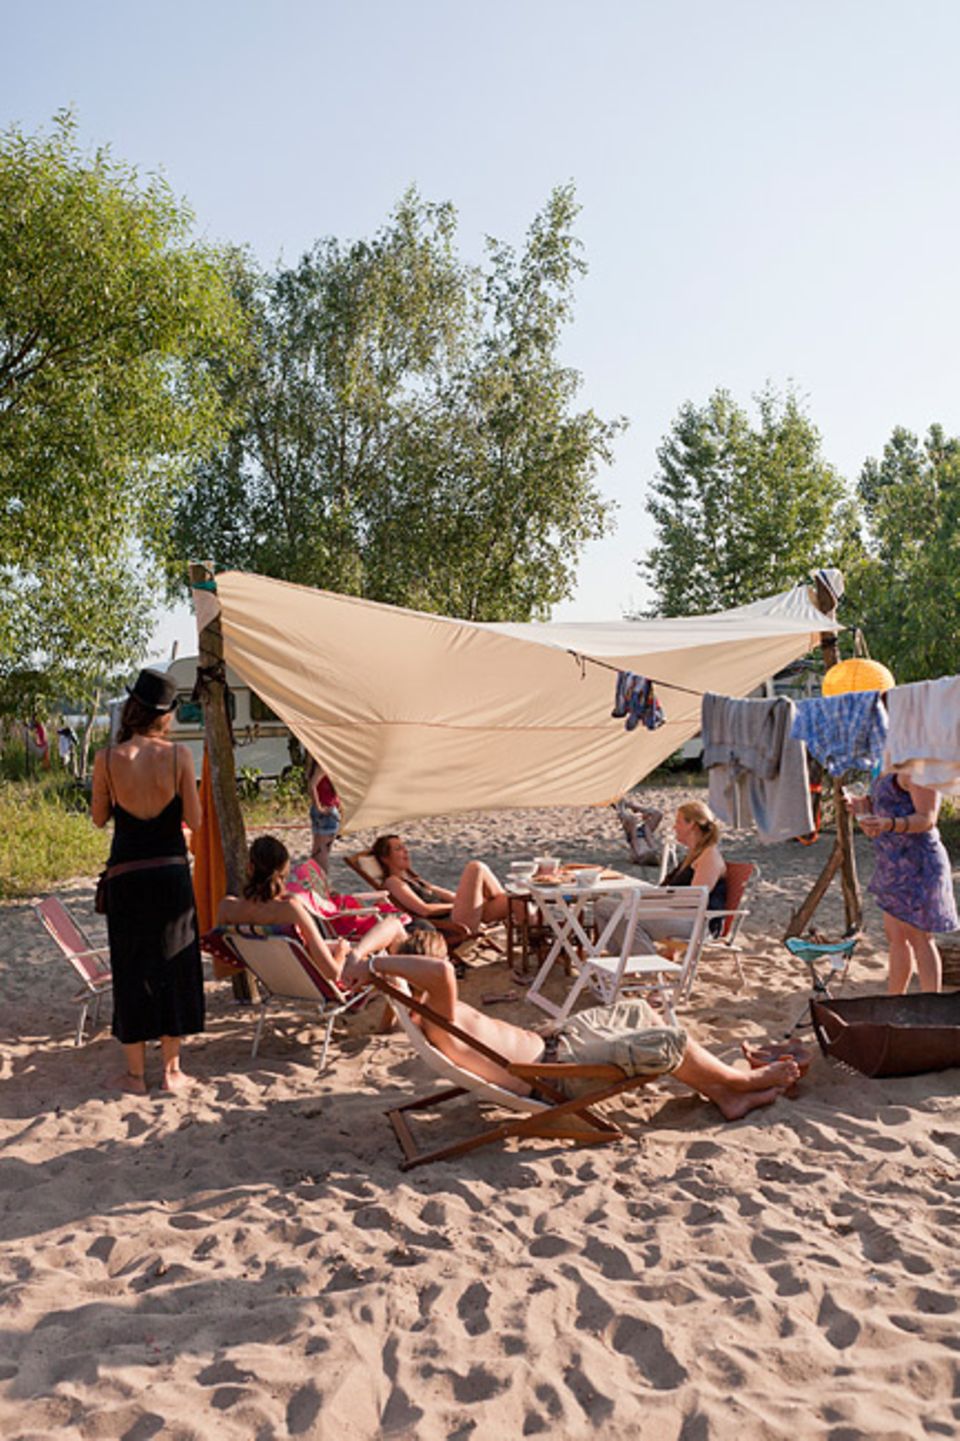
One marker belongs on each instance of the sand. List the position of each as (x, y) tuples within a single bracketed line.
[(247, 1260)]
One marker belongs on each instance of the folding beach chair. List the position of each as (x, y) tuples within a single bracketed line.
[(90, 962), (286, 976), (458, 938), (548, 1116)]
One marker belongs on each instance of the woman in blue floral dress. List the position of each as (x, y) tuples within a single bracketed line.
[(911, 880)]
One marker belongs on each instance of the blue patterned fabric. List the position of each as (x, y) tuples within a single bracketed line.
[(911, 876), (844, 732), (635, 699)]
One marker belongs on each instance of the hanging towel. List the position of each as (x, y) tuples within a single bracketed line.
[(924, 735), (844, 732), (757, 771), (634, 698)]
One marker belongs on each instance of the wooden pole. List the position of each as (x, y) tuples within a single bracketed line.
[(218, 741), (842, 856)]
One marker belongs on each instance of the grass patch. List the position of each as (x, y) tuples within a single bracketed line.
[(46, 836)]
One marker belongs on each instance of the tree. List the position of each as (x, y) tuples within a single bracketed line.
[(109, 321), (409, 434), (742, 510), (80, 619), (906, 590)]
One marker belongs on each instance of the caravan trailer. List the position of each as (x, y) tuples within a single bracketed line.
[(263, 742)]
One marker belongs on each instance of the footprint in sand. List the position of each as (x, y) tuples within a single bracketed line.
[(613, 1263), (644, 1344), (840, 1327), (593, 1403), (303, 1409), (472, 1309), (787, 1282), (145, 1428), (101, 1248), (549, 1246)]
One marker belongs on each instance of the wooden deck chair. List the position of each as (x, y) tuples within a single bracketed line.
[(91, 963), (742, 876), (366, 865), (667, 976), (549, 1116), (286, 976)]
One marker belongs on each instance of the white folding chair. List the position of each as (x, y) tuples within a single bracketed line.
[(676, 911)]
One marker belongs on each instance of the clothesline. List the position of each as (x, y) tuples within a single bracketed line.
[(608, 665)]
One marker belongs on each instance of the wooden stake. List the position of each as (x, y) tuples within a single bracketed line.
[(223, 774), (842, 856)]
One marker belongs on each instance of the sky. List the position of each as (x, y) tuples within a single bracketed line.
[(768, 189)]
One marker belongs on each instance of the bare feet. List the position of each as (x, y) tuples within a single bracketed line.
[(733, 1105), (127, 1081), (745, 1091), (175, 1080)]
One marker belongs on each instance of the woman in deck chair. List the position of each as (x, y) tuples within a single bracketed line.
[(627, 1035), (478, 898), (266, 902)]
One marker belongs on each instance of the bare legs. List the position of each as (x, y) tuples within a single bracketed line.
[(734, 1092), (134, 1078), (386, 935), (911, 949), (322, 846), (479, 897), (639, 833)]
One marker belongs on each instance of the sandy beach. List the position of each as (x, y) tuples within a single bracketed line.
[(246, 1260)]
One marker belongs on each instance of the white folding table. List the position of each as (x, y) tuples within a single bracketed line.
[(565, 910)]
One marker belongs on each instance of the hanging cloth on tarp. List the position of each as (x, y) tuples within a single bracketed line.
[(634, 698), (758, 773), (844, 732), (209, 868)]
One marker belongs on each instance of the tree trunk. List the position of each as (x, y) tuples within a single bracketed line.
[(219, 744), (86, 736)]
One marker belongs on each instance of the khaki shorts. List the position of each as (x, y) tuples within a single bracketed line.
[(627, 1035)]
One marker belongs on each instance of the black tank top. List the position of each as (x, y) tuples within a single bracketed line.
[(717, 899), (139, 839)]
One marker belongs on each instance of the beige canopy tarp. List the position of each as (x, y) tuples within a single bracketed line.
[(418, 715)]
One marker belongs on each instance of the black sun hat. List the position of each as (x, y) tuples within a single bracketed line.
[(154, 691)]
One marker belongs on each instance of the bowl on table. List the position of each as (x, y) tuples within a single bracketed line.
[(522, 871), (546, 865), (587, 876)]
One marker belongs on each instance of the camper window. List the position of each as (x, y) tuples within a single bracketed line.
[(190, 712), (259, 710)]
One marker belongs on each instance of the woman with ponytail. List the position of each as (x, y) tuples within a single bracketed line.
[(267, 902), (698, 831)]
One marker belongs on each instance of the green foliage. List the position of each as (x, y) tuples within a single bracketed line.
[(408, 432), (248, 782), (742, 510), (111, 326), (906, 590), (46, 837)]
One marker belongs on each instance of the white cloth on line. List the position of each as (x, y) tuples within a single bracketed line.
[(924, 736)]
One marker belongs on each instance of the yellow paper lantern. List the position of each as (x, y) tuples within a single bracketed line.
[(856, 674)]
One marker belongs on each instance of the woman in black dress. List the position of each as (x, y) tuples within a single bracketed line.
[(147, 784)]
